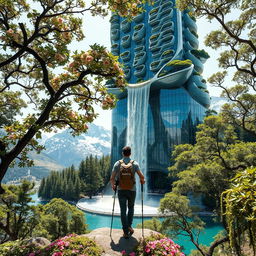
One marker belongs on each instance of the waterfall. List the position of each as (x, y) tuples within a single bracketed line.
[(137, 129)]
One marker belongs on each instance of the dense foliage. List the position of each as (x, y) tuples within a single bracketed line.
[(20, 219), (58, 86), (58, 218), (69, 245), (156, 244), (206, 169), (239, 209), (17, 218), (91, 177)]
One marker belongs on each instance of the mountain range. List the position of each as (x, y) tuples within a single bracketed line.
[(63, 150), (67, 150)]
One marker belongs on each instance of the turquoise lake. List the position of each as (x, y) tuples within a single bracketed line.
[(95, 221)]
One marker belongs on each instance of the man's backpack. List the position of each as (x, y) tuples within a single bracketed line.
[(126, 175)]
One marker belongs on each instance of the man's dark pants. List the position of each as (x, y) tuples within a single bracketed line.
[(126, 198)]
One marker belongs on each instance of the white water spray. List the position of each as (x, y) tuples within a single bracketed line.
[(137, 129)]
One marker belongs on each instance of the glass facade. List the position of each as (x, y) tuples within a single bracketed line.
[(172, 119)]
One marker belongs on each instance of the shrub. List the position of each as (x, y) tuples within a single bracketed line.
[(200, 54), (156, 245), (17, 248), (71, 245), (183, 63)]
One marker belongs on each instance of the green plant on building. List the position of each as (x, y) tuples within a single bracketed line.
[(153, 11), (201, 54), (179, 63), (167, 52)]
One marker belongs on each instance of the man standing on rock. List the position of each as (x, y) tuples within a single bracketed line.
[(123, 179)]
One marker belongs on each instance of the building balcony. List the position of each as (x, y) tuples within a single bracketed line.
[(126, 26), (125, 56), (139, 18), (167, 54), (175, 79), (166, 11), (114, 26), (197, 63), (115, 49), (199, 95), (161, 48), (139, 32), (189, 22), (155, 65), (154, 39), (154, 22), (161, 28), (156, 54), (187, 46), (140, 58), (127, 73), (199, 81), (114, 19), (114, 34), (126, 41), (167, 31), (139, 48), (167, 37), (191, 38), (140, 71), (166, 4)]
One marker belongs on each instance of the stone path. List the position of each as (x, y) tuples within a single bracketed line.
[(115, 245)]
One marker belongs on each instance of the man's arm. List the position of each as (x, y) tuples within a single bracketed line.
[(113, 180), (142, 178)]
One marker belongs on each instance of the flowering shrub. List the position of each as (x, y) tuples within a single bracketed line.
[(71, 245), (156, 245), (17, 248)]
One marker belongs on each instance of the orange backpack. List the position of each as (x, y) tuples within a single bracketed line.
[(126, 175)]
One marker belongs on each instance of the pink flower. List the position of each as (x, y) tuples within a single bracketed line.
[(106, 62), (147, 249), (123, 252), (132, 254), (66, 244), (89, 59), (57, 254), (32, 254), (9, 31)]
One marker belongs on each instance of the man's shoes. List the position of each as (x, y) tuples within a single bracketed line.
[(126, 235), (131, 231)]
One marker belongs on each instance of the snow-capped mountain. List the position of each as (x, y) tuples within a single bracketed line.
[(67, 150)]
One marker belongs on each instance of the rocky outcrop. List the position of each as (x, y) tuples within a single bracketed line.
[(38, 241), (114, 245)]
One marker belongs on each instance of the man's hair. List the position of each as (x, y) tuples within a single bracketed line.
[(126, 151)]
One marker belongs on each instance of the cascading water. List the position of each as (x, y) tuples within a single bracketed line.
[(137, 128)]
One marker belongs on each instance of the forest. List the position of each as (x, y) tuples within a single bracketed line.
[(71, 184)]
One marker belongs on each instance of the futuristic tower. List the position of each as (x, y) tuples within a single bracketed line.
[(166, 97)]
